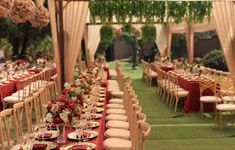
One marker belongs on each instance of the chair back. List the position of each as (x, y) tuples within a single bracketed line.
[(38, 107), (207, 84), (30, 115), (6, 126), (20, 118)]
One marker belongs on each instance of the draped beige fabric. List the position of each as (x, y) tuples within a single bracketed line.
[(74, 13), (189, 34), (52, 12), (224, 15), (93, 39), (161, 39)]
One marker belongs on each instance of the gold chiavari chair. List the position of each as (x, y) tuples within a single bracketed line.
[(38, 107), (7, 124), (148, 73), (207, 84)]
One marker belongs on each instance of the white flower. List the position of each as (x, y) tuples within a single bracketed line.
[(49, 117), (64, 117)]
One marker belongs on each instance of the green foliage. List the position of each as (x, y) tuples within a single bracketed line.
[(106, 34), (42, 44), (128, 29), (149, 11), (215, 59), (149, 33)]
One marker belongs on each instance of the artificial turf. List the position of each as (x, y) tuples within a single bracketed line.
[(177, 131)]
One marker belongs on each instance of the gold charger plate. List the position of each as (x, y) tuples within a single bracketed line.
[(50, 145), (101, 99), (99, 104), (90, 146), (98, 116), (94, 124), (73, 135), (99, 110), (54, 135)]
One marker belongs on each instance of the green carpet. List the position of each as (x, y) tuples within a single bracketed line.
[(177, 131)]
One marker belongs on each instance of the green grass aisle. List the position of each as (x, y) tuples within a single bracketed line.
[(177, 131)]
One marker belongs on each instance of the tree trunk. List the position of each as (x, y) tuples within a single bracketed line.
[(16, 46), (24, 44)]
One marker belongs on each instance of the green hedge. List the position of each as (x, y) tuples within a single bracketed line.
[(215, 59)]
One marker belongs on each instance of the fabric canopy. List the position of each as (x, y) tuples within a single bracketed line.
[(224, 15), (93, 39), (74, 15)]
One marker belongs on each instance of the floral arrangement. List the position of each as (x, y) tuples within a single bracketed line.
[(62, 110), (22, 10), (40, 18), (41, 62), (67, 107), (5, 7)]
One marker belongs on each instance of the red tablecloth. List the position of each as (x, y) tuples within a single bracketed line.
[(192, 103)]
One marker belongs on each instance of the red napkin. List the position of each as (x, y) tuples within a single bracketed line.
[(39, 146), (45, 135), (86, 134), (52, 127), (79, 147)]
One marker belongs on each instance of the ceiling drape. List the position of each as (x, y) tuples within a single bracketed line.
[(93, 40), (74, 15), (224, 16), (52, 12), (161, 38), (189, 34)]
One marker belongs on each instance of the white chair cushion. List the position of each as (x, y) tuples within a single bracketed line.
[(116, 117), (117, 124), (152, 73), (226, 107), (181, 93), (116, 101), (210, 99), (228, 98), (116, 111), (117, 93), (12, 99), (115, 106), (113, 89), (117, 133), (117, 144), (112, 73)]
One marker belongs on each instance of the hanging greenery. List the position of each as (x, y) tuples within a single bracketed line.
[(127, 29), (106, 34), (149, 32), (124, 11)]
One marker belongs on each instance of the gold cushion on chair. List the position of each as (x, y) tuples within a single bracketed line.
[(226, 107), (115, 111), (210, 99), (116, 117), (117, 144), (117, 124), (117, 133), (115, 106), (116, 101)]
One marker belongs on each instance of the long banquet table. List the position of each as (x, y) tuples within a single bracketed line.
[(192, 103), (12, 86)]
